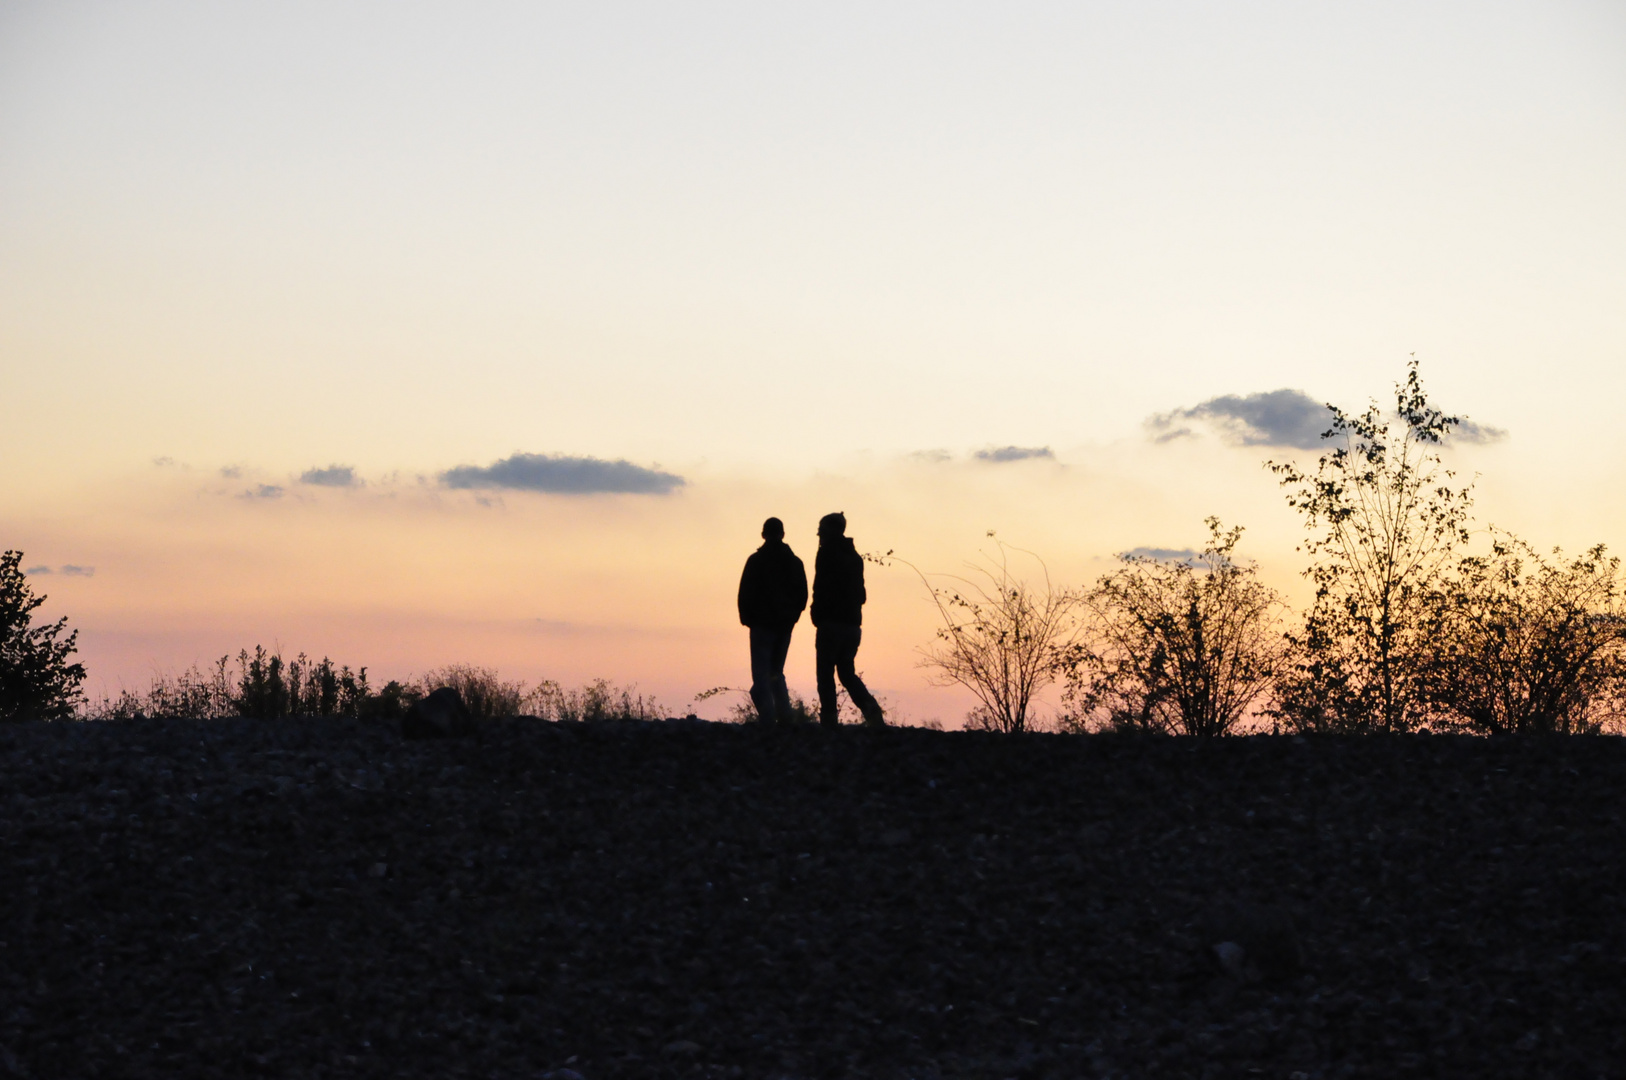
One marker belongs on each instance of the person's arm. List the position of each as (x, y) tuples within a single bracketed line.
[(744, 598)]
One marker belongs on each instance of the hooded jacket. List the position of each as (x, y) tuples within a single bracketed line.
[(838, 583), (773, 587)]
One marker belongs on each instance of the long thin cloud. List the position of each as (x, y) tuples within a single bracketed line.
[(560, 474), (999, 455)]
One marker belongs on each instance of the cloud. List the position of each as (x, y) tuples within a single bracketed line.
[(1002, 454), (934, 457), (1273, 418), (37, 571), (559, 474), (231, 472), (164, 462), (1471, 431), (263, 491), (79, 571), (332, 476), (1160, 554)]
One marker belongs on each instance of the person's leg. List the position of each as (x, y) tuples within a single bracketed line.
[(868, 707), (824, 654), (781, 692), (762, 672)]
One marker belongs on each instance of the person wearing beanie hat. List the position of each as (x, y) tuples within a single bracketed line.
[(838, 615), (773, 593)]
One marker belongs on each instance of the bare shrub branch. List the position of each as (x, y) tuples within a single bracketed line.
[(1001, 638)]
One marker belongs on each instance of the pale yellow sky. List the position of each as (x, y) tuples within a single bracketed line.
[(778, 252)]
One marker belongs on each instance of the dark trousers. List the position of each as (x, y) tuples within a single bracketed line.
[(835, 648), (768, 692)]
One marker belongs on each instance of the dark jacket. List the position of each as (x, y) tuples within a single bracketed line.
[(838, 583), (773, 588)]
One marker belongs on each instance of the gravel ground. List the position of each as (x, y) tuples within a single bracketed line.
[(321, 898)]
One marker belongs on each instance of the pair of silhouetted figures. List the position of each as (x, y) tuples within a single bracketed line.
[(773, 592)]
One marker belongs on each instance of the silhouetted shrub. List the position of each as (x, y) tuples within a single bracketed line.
[(485, 693), (744, 710), (191, 695), (390, 703), (1002, 638), (268, 688), (1175, 647), (598, 700), (263, 686), (1524, 645)]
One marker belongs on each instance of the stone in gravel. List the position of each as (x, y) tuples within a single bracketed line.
[(440, 715), (1253, 941), (1232, 957)]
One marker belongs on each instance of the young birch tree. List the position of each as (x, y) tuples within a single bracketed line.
[(1385, 519), (1188, 647)]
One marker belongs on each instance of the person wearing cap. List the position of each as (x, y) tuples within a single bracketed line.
[(773, 593), (838, 615)]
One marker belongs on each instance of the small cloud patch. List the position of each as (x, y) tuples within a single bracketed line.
[(71, 570), (332, 476), (559, 474), (38, 571), (231, 472), (1471, 431), (1001, 455), (262, 491)]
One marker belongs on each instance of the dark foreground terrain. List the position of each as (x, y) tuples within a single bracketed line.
[(319, 898)]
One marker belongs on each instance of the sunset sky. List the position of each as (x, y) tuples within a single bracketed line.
[(419, 333)]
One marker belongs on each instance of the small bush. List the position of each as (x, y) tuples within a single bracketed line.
[(263, 686), (744, 711), (598, 700), (1003, 638), (484, 692), (1184, 647), (1528, 646)]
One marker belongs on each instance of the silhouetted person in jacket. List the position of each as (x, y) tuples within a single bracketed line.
[(773, 592), (838, 612)]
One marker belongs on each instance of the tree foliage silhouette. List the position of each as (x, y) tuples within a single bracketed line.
[(1524, 645), (1385, 520), (1188, 647), (36, 680)]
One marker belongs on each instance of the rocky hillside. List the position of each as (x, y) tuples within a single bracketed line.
[(320, 898)]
